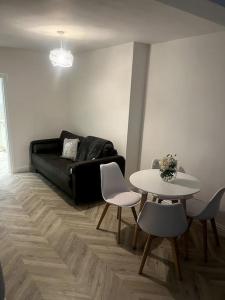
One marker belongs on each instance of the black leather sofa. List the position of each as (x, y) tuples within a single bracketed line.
[(79, 179)]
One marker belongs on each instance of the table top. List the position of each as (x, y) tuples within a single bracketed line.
[(151, 182)]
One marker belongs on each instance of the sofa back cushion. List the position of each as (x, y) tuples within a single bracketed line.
[(90, 147), (46, 146), (69, 135)]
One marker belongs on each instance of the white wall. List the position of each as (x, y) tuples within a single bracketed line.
[(100, 94), (3, 138), (36, 96), (137, 105), (185, 108)]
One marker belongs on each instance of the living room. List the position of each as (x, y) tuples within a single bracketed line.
[(147, 80)]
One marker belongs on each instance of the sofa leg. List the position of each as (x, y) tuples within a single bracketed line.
[(33, 169)]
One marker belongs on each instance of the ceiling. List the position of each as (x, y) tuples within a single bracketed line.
[(92, 24), (209, 9)]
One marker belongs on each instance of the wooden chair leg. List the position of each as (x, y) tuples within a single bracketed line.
[(117, 216), (145, 254), (103, 215), (134, 213), (135, 237), (119, 224), (189, 223), (143, 200), (176, 257), (186, 239), (213, 223), (204, 232), (186, 246)]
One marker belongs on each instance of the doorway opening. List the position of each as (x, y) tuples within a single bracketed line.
[(4, 153)]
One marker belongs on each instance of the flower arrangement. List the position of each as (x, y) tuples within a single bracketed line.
[(168, 167)]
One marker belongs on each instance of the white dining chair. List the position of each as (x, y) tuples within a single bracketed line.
[(202, 211), (164, 221), (155, 164), (116, 192)]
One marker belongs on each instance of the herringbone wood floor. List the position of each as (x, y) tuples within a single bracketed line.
[(51, 250)]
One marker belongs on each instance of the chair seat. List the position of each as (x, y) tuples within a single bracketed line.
[(194, 207), (124, 199)]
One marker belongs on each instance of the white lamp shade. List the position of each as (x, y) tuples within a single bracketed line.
[(61, 58)]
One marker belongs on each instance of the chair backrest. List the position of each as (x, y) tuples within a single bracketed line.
[(155, 164), (181, 169), (163, 220), (211, 210), (112, 180)]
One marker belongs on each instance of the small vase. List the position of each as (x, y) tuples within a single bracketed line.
[(168, 175)]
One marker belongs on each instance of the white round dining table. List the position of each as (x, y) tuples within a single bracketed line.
[(149, 181), (184, 186)]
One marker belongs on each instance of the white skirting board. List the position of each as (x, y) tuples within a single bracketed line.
[(23, 169)]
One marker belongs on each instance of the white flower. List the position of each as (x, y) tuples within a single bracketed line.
[(167, 162)]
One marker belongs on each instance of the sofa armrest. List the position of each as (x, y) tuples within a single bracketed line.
[(45, 146), (86, 178)]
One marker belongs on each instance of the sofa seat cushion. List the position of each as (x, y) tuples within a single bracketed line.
[(55, 168)]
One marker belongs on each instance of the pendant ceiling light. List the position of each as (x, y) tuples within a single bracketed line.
[(61, 57)]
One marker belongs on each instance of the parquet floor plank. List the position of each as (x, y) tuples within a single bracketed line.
[(50, 249)]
